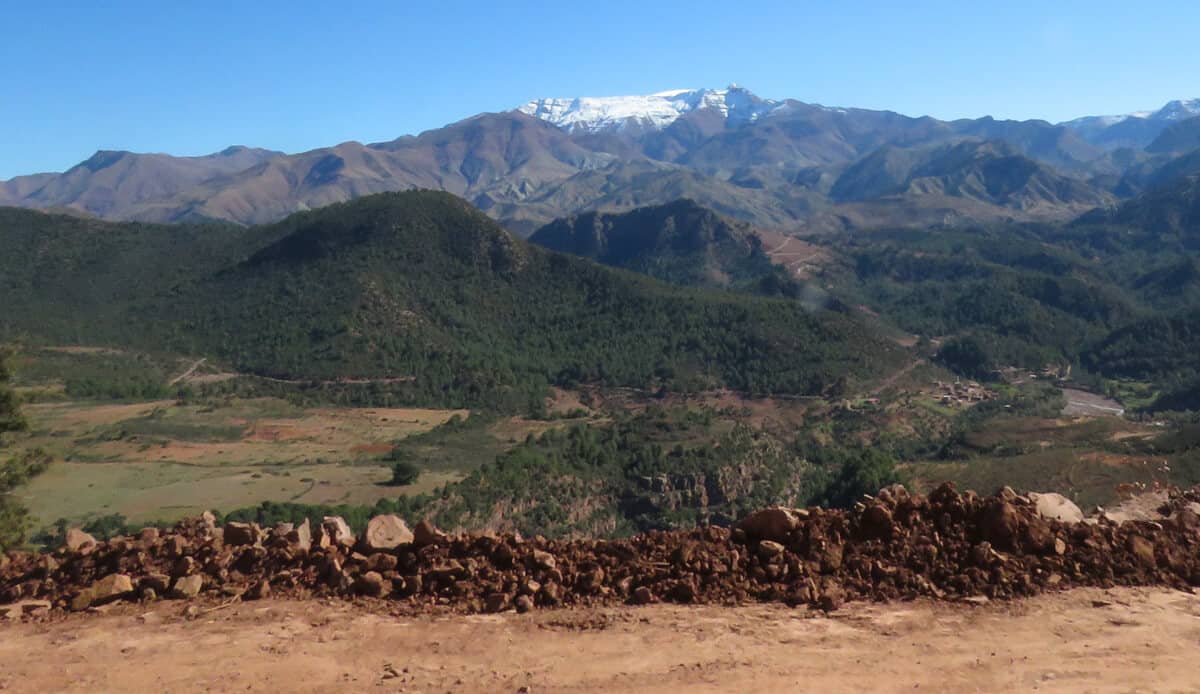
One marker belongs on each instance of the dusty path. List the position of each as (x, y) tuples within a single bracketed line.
[(892, 379), (792, 253), (1081, 641)]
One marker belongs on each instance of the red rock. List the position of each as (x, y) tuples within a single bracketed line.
[(426, 533), (770, 524)]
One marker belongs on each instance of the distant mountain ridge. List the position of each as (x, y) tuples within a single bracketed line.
[(1136, 129), (778, 164)]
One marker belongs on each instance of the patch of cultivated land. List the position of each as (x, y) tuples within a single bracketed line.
[(1092, 640), (161, 460)]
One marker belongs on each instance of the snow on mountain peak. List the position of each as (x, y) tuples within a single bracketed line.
[(1172, 111), (653, 111), (1179, 110)]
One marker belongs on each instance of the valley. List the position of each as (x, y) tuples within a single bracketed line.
[(505, 350)]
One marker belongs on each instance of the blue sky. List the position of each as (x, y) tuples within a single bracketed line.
[(193, 77)]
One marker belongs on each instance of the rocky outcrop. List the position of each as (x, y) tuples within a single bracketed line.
[(894, 545)]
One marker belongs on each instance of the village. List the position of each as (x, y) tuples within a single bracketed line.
[(961, 393)]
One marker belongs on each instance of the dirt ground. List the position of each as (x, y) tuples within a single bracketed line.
[(1080, 641)]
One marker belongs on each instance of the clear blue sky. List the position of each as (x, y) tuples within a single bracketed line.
[(193, 77)]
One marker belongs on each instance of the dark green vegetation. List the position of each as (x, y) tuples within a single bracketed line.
[(418, 292), (667, 467), (14, 471), (1112, 295), (680, 242)]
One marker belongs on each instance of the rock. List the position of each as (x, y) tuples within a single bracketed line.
[(1060, 547), (774, 524), (240, 534), (683, 592), (386, 532), (176, 545), (110, 588), (258, 591), (370, 584), (208, 520), (551, 594), (642, 596), (187, 587), (1000, 523), (831, 598), (496, 602), (156, 582), (769, 548), (183, 566), (876, 522), (25, 608), (148, 536), (426, 533), (382, 562), (544, 560), (76, 539), (300, 537), (523, 604), (1056, 507), (1142, 550), (337, 530)]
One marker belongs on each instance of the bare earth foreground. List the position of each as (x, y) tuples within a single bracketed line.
[(1084, 640)]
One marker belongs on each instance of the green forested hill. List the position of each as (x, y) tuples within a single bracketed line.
[(417, 286), (679, 242)]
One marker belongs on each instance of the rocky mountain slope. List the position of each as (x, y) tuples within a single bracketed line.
[(679, 242), (773, 163)]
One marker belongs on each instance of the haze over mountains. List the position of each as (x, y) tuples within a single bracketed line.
[(780, 164)]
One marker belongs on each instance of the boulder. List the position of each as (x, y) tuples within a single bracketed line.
[(239, 534), (300, 536), (769, 548), (156, 582), (876, 522), (642, 596), (544, 560), (1142, 550), (337, 530), (1000, 523), (76, 539), (1056, 507), (187, 586), (370, 584), (148, 536), (775, 523), (24, 608), (110, 588), (386, 532), (496, 602), (523, 604), (427, 533)]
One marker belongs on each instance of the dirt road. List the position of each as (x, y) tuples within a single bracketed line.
[(1081, 641)]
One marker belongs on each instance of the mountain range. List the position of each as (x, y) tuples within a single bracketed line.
[(779, 164)]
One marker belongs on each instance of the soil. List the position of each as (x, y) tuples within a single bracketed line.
[(1081, 403), (1092, 640)]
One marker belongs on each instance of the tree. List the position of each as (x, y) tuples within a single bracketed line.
[(14, 519), (862, 472), (404, 473), (965, 356)]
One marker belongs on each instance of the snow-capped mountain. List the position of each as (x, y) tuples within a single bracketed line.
[(650, 112), (1136, 129)]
